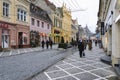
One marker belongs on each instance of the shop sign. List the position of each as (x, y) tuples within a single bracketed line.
[(5, 32), (3, 25), (102, 28)]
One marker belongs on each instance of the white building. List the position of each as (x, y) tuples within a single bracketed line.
[(109, 16)]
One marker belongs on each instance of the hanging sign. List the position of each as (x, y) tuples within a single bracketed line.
[(3, 25)]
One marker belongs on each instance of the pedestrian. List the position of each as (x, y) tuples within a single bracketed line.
[(43, 44), (51, 43), (90, 45), (95, 42), (47, 44), (100, 43), (81, 48), (75, 45), (85, 44)]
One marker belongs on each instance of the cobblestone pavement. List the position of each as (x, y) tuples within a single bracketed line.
[(75, 68), (23, 50)]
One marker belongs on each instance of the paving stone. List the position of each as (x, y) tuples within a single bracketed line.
[(33, 78), (74, 70), (6, 54), (59, 63), (86, 76), (102, 73), (89, 62), (67, 78), (41, 76), (69, 61), (87, 67), (14, 52), (100, 65), (78, 64), (52, 68), (65, 66), (57, 74), (21, 50)]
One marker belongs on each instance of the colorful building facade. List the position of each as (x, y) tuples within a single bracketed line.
[(40, 25), (66, 24), (14, 24)]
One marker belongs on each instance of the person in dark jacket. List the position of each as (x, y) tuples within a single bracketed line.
[(81, 47), (51, 43), (95, 42), (43, 44), (47, 44)]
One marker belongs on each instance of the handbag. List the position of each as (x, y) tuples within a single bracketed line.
[(83, 53)]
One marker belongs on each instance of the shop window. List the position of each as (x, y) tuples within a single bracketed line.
[(42, 24), (21, 15), (48, 26), (33, 21), (5, 9), (38, 23), (24, 40)]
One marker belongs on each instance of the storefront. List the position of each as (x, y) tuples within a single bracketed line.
[(4, 31), (13, 36), (23, 35), (57, 36)]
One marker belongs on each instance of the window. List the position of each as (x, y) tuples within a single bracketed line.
[(33, 21), (42, 24), (5, 9), (38, 23), (48, 26), (21, 15)]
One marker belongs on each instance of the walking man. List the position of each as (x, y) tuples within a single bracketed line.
[(47, 44), (95, 42), (51, 43), (43, 44), (81, 47)]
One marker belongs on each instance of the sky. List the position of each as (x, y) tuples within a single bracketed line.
[(85, 11)]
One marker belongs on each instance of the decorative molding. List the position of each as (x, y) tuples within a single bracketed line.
[(22, 7), (7, 1)]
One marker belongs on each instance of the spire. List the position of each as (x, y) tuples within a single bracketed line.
[(63, 4)]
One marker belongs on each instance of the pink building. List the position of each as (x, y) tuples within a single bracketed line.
[(40, 25)]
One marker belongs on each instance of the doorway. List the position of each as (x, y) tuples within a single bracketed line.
[(5, 41), (20, 40)]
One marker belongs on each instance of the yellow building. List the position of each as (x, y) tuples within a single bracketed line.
[(57, 26), (14, 24), (61, 19), (56, 17), (66, 24)]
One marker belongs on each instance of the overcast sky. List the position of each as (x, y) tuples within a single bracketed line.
[(84, 10)]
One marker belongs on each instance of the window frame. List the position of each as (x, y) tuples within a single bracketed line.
[(42, 24), (21, 15), (38, 23), (6, 9), (32, 21)]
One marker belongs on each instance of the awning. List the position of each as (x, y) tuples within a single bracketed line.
[(117, 19)]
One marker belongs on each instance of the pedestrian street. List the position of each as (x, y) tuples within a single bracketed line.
[(75, 68)]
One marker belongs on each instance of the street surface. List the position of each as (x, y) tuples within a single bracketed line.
[(75, 68), (20, 67), (23, 50)]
